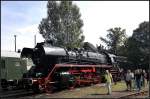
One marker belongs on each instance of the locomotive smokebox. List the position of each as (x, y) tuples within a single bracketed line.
[(27, 52), (44, 56)]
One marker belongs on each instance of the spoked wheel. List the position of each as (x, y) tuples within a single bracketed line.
[(72, 83), (49, 88)]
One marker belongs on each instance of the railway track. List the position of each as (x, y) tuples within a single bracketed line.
[(15, 93), (140, 94)]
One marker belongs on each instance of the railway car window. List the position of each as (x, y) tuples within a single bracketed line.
[(3, 64)]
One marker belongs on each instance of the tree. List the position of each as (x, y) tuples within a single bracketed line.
[(138, 46), (133, 52), (63, 24), (142, 35), (49, 26), (115, 39)]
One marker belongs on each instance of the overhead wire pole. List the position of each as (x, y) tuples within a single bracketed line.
[(35, 40), (15, 42)]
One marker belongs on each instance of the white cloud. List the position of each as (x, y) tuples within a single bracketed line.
[(26, 37), (99, 16), (29, 29)]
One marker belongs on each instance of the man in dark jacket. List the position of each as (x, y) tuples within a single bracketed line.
[(138, 77)]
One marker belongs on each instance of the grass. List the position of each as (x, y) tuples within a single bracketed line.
[(95, 89), (85, 91), (119, 86)]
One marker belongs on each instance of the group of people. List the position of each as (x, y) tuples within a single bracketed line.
[(136, 79)]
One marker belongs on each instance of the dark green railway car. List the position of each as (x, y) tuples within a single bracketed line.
[(12, 68)]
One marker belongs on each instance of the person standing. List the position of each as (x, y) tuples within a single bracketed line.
[(129, 80), (144, 78), (132, 80), (109, 80), (138, 78)]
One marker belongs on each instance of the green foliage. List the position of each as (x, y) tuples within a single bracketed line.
[(115, 38), (138, 46), (63, 24)]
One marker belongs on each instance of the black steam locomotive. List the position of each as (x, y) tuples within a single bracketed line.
[(49, 60), (44, 56)]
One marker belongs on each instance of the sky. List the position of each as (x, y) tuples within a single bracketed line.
[(22, 18)]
